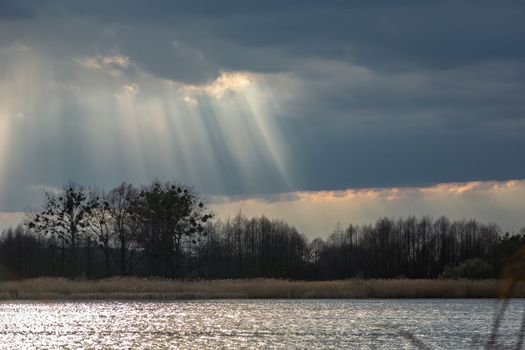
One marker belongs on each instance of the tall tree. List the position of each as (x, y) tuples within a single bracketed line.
[(120, 205), (101, 225), (65, 215), (165, 213)]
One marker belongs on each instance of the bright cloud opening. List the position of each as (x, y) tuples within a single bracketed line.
[(225, 82)]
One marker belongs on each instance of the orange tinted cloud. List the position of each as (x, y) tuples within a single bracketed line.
[(316, 212), (393, 193)]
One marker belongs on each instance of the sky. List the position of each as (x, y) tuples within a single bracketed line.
[(315, 112)]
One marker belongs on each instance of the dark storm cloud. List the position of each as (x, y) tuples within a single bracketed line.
[(11, 10), (387, 94), (272, 35)]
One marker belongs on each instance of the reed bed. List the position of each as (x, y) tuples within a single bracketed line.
[(164, 289)]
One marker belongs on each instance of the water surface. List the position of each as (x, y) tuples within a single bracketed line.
[(440, 323)]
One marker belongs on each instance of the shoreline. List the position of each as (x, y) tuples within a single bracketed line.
[(132, 288)]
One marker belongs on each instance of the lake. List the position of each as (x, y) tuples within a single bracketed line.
[(438, 323)]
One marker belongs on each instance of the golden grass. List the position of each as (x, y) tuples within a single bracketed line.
[(163, 289)]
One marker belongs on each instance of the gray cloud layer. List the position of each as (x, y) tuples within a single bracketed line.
[(404, 93)]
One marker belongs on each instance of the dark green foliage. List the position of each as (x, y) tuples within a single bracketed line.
[(509, 244), (470, 269)]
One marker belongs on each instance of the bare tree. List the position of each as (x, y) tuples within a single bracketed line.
[(120, 200), (100, 225), (66, 216)]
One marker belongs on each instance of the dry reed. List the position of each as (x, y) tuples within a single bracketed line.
[(163, 289)]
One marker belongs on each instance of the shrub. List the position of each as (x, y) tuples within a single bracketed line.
[(470, 269)]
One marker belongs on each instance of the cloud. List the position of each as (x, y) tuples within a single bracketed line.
[(225, 82), (101, 62), (259, 99), (190, 100), (113, 65), (193, 42), (11, 219), (101, 129), (10, 10), (316, 213), (131, 89)]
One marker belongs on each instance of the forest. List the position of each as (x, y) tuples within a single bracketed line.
[(165, 230)]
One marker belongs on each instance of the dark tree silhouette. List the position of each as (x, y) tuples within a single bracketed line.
[(65, 216), (100, 224), (164, 214), (164, 229), (121, 199)]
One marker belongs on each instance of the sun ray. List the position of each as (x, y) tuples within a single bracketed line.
[(104, 126), (4, 152), (269, 133)]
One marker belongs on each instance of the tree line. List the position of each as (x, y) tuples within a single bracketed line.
[(164, 229)]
